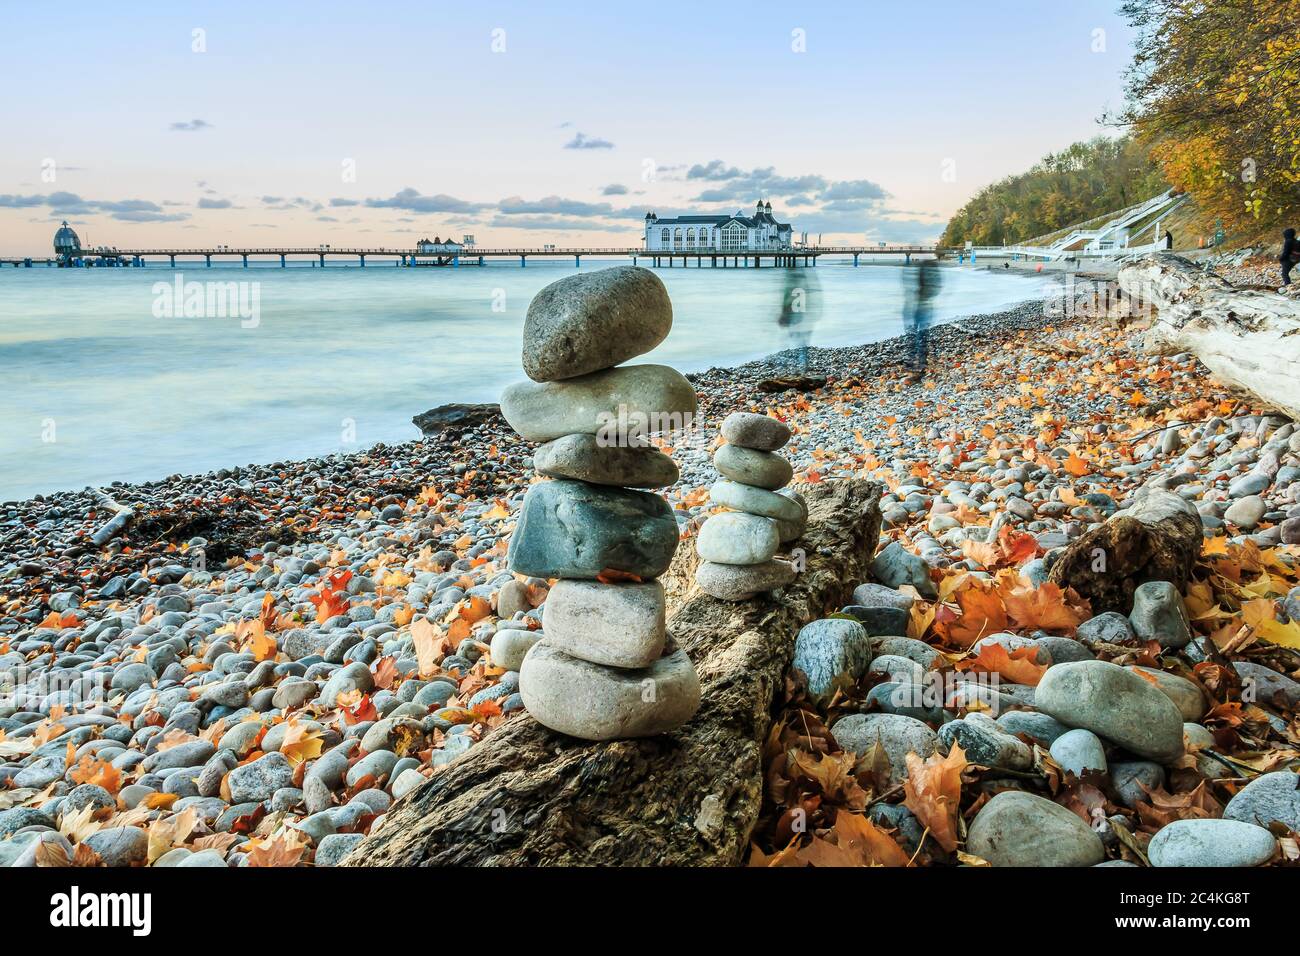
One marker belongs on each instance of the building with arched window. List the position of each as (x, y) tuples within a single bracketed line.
[(757, 233), (438, 245)]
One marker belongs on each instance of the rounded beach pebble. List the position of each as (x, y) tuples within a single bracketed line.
[(587, 322)]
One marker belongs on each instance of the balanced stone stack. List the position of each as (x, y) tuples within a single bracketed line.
[(738, 547), (601, 671)]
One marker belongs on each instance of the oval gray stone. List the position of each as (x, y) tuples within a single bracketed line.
[(734, 537), (762, 469), (594, 320), (570, 529), (752, 430), (1113, 703), (755, 501), (831, 652), (1021, 829), (583, 458), (619, 404), (740, 582), (1187, 697), (621, 625), (595, 702), (897, 735), (1269, 797), (510, 644), (1079, 751), (1209, 842), (1159, 614)]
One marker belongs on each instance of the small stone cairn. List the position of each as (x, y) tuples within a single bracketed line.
[(738, 547), (600, 672)]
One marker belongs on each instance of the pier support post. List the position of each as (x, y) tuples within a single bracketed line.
[(363, 261), (245, 260), (577, 262), (322, 260), (173, 259), (907, 258), (208, 258), (523, 262), (855, 260)]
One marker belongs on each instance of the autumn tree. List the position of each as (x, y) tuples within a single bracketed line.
[(1213, 91), (1083, 181)]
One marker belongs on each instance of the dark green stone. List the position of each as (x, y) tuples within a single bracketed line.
[(570, 529)]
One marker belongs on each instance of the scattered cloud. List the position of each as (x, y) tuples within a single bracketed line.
[(190, 126), (282, 203), (554, 205), (413, 201), (206, 203), (554, 223), (583, 141), (70, 204), (344, 202), (614, 189)]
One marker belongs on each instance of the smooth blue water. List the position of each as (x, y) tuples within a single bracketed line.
[(96, 388)]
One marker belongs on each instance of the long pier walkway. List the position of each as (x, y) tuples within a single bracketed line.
[(470, 256)]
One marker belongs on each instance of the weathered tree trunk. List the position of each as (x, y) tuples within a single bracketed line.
[(1157, 538), (1247, 338), (527, 796)]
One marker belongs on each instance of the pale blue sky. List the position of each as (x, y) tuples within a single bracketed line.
[(850, 137)]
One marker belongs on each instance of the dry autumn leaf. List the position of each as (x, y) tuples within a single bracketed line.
[(933, 789)]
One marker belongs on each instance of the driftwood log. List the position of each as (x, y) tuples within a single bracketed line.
[(1157, 538), (527, 796), (1248, 338)]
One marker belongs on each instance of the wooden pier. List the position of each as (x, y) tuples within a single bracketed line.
[(470, 256)]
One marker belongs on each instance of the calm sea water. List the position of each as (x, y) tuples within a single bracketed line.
[(96, 387)]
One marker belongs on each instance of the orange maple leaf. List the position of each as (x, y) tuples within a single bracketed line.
[(1017, 666), (1043, 607), (982, 614), (933, 793)]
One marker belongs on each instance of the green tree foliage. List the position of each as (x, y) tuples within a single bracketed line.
[(1082, 182), (1214, 92)]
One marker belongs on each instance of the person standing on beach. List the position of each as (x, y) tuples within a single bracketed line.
[(1290, 254), (922, 285)]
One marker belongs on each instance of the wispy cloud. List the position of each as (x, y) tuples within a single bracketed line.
[(190, 126), (583, 141), (206, 203)]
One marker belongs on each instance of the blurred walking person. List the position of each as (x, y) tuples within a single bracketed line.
[(1290, 254), (799, 308), (922, 285)]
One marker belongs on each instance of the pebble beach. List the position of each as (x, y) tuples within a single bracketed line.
[(263, 659)]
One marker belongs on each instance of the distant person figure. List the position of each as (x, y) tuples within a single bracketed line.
[(800, 304), (1169, 239), (922, 286), (1290, 254)]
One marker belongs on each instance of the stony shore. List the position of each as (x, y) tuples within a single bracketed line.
[(283, 650)]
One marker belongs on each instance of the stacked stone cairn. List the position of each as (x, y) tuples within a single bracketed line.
[(601, 671), (738, 548)]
